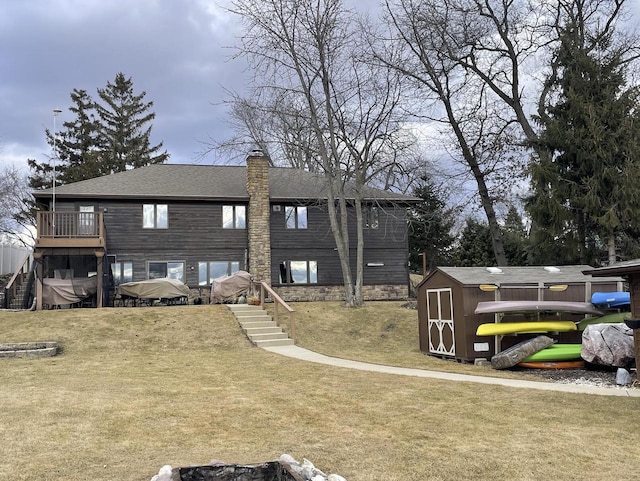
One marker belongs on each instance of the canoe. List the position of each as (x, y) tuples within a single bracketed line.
[(553, 365), (615, 318), (514, 354), (557, 352), (611, 299), (531, 327), (494, 307)]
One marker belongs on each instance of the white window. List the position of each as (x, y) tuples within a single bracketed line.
[(370, 214), (122, 272), (299, 272), (207, 271), (295, 217), (86, 222), (160, 270), (155, 216), (234, 217)]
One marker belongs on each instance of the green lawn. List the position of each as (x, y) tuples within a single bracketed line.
[(137, 388)]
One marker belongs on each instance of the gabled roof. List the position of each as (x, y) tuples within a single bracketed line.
[(526, 275), (205, 182)]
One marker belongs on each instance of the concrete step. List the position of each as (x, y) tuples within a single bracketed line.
[(261, 330), (245, 314), (268, 337), (259, 327), (262, 318), (249, 324), (243, 307), (274, 343)]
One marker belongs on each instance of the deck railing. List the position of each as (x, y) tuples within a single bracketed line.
[(277, 300), (70, 228)]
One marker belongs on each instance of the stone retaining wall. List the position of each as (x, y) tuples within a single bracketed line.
[(336, 293)]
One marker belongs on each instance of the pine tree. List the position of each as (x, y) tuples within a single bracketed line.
[(587, 193), (99, 140), (430, 224), (515, 238), (474, 248), (125, 128), (78, 143)]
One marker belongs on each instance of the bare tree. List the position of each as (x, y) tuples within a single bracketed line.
[(310, 52), (490, 65), (270, 121), (16, 221), (420, 48)]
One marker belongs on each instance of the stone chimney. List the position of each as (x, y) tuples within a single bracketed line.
[(258, 225)]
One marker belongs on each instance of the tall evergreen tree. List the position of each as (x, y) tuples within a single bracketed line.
[(430, 224), (474, 248), (125, 128), (78, 142), (100, 140), (515, 238), (586, 193)]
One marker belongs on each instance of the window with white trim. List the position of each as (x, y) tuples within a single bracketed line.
[(122, 272), (295, 217), (155, 216), (299, 272), (162, 269), (234, 217), (208, 271), (370, 217)]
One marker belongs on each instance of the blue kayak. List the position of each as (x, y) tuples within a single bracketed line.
[(611, 299)]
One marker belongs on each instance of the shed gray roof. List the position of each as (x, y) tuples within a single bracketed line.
[(527, 275), (205, 182), (617, 269)]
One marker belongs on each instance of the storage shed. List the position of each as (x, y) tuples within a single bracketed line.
[(448, 297)]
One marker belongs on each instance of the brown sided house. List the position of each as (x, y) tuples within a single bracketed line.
[(197, 222)]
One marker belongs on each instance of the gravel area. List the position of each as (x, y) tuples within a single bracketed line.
[(588, 376)]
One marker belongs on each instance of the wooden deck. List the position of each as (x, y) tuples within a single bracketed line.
[(70, 229)]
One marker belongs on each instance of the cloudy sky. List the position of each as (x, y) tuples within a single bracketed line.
[(177, 51)]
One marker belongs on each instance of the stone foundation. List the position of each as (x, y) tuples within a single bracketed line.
[(336, 293)]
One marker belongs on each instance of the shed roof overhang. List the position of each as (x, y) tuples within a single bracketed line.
[(621, 269)]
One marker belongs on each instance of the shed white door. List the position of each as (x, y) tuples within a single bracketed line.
[(440, 322)]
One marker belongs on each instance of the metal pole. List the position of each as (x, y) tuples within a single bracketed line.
[(55, 155)]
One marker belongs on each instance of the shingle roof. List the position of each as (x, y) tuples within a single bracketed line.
[(211, 182), (529, 275), (620, 269)]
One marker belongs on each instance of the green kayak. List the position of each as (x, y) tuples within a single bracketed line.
[(556, 352), (614, 318)]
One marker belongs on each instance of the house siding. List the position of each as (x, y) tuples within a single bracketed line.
[(195, 234), (195, 230), (385, 245)]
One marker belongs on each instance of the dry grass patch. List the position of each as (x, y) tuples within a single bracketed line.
[(139, 388), (380, 333)]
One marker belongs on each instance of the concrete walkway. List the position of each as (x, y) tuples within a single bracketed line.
[(310, 356)]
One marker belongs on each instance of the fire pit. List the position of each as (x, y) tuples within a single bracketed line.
[(28, 350), (270, 471), (286, 468)]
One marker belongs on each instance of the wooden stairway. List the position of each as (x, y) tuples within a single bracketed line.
[(259, 327)]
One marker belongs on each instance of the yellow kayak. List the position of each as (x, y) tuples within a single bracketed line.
[(532, 327)]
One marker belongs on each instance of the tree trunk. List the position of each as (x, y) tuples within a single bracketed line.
[(358, 294), (612, 248)]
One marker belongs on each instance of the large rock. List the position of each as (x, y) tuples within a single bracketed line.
[(608, 345)]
